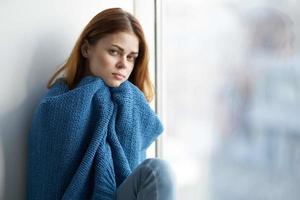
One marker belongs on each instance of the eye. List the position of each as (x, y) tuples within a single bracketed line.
[(113, 52), (131, 58)]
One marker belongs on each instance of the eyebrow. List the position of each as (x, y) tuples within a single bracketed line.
[(123, 49)]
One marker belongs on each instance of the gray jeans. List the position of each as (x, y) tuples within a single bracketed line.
[(153, 179)]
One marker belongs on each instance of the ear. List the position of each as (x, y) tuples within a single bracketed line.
[(84, 48)]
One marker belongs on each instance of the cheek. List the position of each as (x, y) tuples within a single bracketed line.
[(107, 61), (101, 62)]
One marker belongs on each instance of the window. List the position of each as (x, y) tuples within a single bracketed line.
[(230, 98)]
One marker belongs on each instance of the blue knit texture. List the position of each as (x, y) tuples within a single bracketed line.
[(84, 142)]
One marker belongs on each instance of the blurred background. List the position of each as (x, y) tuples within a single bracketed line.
[(232, 98), (228, 81)]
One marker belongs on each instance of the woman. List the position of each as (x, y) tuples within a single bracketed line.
[(90, 131)]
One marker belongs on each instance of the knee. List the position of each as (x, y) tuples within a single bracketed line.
[(161, 169), (157, 163)]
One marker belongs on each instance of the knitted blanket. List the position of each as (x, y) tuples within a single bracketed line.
[(84, 142)]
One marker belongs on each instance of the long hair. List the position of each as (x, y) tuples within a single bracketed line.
[(109, 21)]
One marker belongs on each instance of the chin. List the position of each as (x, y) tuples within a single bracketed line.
[(114, 84)]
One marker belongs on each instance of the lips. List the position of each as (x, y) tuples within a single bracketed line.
[(119, 74)]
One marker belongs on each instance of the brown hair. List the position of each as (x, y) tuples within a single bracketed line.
[(112, 20)]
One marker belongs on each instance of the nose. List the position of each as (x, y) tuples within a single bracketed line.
[(122, 63)]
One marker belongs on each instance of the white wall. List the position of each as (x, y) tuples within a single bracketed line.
[(36, 37)]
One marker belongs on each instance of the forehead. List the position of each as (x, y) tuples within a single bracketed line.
[(128, 41)]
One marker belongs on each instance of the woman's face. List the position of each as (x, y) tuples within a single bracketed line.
[(112, 58)]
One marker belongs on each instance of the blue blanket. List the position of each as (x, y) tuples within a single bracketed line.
[(84, 142)]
